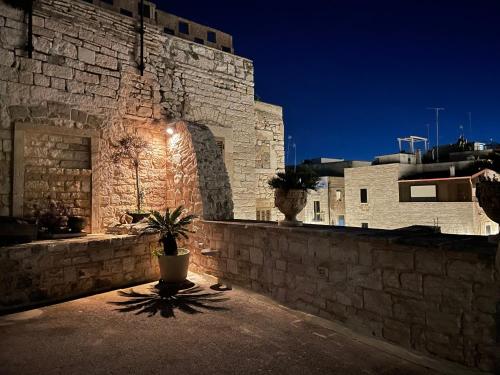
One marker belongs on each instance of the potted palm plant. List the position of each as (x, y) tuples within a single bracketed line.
[(290, 192), (173, 261)]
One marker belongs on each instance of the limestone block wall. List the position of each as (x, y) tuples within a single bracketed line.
[(384, 210), (86, 59), (196, 175), (436, 294), (269, 153), (52, 270)]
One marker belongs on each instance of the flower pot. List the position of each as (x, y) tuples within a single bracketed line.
[(290, 203), (76, 223), (174, 268)]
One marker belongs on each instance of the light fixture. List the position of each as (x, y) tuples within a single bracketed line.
[(170, 130)]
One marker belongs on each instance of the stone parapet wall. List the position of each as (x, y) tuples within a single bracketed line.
[(51, 270), (432, 293)]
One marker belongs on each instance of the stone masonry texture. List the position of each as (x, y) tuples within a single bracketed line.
[(439, 295), (84, 75)]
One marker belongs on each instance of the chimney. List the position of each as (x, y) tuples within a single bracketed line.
[(452, 171)]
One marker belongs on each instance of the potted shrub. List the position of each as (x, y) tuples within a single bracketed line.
[(174, 261), (290, 192), (130, 148)]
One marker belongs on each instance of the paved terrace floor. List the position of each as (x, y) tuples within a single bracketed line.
[(237, 332)]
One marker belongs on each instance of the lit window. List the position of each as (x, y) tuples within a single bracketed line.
[(183, 27), (364, 195), (423, 191), (211, 37)]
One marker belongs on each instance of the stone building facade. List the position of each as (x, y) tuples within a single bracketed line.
[(62, 110), (270, 156), (386, 208)]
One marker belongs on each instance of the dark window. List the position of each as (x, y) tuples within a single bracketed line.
[(364, 225), (169, 31), (184, 27), (126, 12), (211, 36), (364, 195), (147, 10), (199, 41), (341, 221), (88, 1), (110, 2), (226, 49)]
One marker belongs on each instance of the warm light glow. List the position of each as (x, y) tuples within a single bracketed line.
[(170, 131)]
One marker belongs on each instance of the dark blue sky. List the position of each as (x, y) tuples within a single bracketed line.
[(353, 75)]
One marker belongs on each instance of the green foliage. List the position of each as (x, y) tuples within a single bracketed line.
[(171, 226), (493, 162), (295, 179)]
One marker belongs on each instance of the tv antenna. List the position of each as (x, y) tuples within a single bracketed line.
[(470, 124), (436, 110)]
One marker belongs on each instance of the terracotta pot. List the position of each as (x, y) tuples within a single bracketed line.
[(488, 196), (174, 268), (290, 203)]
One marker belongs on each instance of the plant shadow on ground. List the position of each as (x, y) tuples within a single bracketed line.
[(165, 299)]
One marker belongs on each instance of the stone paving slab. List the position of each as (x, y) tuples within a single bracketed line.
[(236, 332)]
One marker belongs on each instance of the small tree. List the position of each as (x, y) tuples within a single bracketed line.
[(131, 148)]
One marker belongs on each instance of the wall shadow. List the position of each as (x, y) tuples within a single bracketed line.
[(165, 300)]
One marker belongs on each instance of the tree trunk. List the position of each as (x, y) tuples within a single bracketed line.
[(137, 187), (169, 245)]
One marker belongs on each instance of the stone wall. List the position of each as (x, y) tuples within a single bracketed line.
[(436, 294), (85, 60), (196, 175), (52, 270), (269, 153)]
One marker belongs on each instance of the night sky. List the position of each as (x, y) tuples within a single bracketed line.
[(353, 75)]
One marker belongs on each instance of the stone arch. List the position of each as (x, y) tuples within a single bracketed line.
[(196, 173)]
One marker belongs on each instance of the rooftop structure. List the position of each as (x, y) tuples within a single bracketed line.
[(169, 23)]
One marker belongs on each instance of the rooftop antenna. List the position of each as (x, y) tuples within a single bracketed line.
[(288, 148), (436, 110), (428, 131), (295, 158), (470, 124)]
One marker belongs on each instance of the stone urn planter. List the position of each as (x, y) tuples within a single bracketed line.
[(488, 196), (290, 203), (174, 268), (290, 192)]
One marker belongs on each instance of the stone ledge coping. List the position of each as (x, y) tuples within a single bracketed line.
[(90, 240), (404, 236)]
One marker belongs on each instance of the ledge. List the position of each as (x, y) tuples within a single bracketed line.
[(411, 236)]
